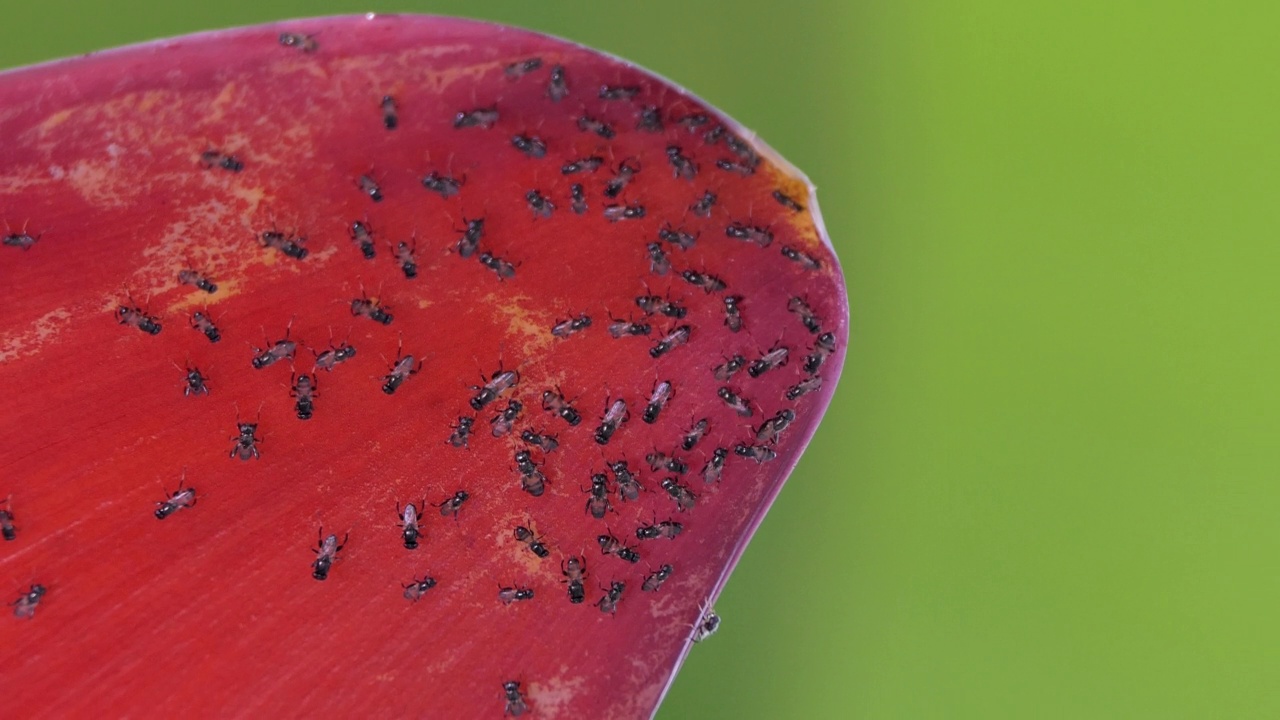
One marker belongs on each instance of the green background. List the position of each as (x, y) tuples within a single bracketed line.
[(1047, 484)]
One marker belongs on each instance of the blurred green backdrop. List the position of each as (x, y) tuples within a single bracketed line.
[(1048, 484)]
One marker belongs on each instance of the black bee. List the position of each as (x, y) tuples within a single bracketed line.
[(619, 92), (198, 280), (212, 158), (684, 497), (327, 552), (362, 236), (135, 316), (532, 480), (666, 529), (708, 282), (714, 468), (679, 238), (695, 434), (417, 588), (759, 453), (822, 348), (775, 358), (540, 204), (804, 387), (804, 259), (526, 536), (610, 545), (650, 119), (657, 402), (400, 371), (369, 187), (598, 504), (330, 358), (410, 519), (618, 183), (682, 167), (461, 432), (614, 213), (736, 168), (446, 186), (654, 304), (500, 382), (693, 121), (565, 328), (653, 581), (553, 401), (702, 208), (502, 423), (275, 351), (304, 392), (519, 69), (749, 233), (390, 120), (714, 135), (735, 401), (574, 570), (614, 416), (786, 201), (745, 152), (770, 430), (530, 145), (7, 529), (452, 505), (23, 240), (180, 498), (661, 461), (730, 367), (305, 43), (808, 317), (470, 237), (586, 164), (519, 593), (556, 87), (707, 625), (586, 123), (372, 309), (405, 257), (628, 487), (194, 381), (290, 246), (609, 603), (677, 337), (483, 118), (25, 606), (247, 440), (579, 199), (624, 328), (733, 313), (503, 269), (544, 442), (516, 705), (659, 264)]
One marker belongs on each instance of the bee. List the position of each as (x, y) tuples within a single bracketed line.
[(731, 366), (620, 180), (390, 119), (526, 536), (372, 309), (502, 268), (693, 121), (500, 382), (808, 317), (735, 167), (677, 337), (524, 462), (628, 486), (614, 213), (586, 123), (195, 381), (609, 603), (655, 304), (530, 145), (658, 262), (470, 239), (330, 358), (556, 86), (544, 442), (586, 164), (822, 348), (275, 351), (760, 453), (246, 440), (417, 588), (610, 545), (400, 371), (483, 118), (25, 606), (666, 529), (712, 471), (695, 434), (452, 505), (702, 207), (362, 236), (619, 92), (516, 705), (650, 119), (540, 204), (682, 167), (369, 187), (653, 581), (714, 135), (614, 416), (565, 328), (326, 550), (684, 497), (661, 461), (535, 483), (198, 280), (520, 68), (405, 258), (775, 358), (623, 328), (574, 570), (579, 199), (135, 316), (461, 432), (22, 240), (502, 423), (804, 259), (733, 313), (771, 429), (804, 387), (708, 623), (7, 529), (553, 401), (518, 593), (180, 498), (735, 401), (598, 504), (745, 152), (446, 186), (679, 238), (290, 246), (708, 282), (410, 518), (305, 43), (657, 401), (213, 158), (749, 233)]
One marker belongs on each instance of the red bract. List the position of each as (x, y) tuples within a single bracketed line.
[(271, 286)]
